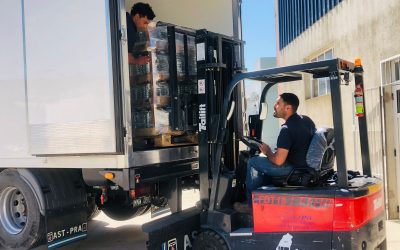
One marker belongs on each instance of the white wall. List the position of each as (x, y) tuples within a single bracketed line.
[(212, 15)]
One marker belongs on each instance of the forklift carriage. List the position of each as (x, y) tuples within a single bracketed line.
[(343, 214)]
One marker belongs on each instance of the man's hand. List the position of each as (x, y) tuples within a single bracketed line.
[(264, 148), (141, 60), (278, 157)]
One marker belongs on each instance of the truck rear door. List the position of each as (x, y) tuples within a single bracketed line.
[(73, 77)]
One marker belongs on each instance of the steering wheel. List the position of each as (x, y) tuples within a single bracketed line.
[(251, 142)]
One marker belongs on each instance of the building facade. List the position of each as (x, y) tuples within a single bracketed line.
[(313, 30)]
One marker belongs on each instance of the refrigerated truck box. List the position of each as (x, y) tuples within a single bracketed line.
[(66, 121)]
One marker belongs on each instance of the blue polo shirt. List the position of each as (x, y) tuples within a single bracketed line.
[(295, 135)]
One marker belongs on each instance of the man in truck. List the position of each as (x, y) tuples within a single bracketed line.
[(292, 144), (138, 20)]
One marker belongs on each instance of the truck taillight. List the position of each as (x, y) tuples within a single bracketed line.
[(109, 175)]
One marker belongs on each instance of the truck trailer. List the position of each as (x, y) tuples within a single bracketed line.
[(70, 142)]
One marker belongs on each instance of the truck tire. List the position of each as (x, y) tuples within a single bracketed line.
[(21, 224), (122, 212), (209, 240), (92, 211), (146, 209)]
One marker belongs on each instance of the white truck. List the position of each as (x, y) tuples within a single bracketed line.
[(66, 137)]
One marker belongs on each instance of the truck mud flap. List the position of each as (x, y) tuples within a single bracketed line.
[(65, 206), (175, 231), (65, 226)]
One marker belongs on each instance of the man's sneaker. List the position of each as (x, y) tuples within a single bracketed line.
[(243, 208)]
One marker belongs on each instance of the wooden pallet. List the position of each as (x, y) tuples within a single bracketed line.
[(168, 140), (154, 132), (164, 140)]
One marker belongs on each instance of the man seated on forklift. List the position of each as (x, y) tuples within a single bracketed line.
[(139, 18), (293, 141)]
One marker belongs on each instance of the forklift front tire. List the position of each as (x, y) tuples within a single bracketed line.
[(209, 240)]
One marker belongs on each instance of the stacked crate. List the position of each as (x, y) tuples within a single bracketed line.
[(187, 80), (151, 91)]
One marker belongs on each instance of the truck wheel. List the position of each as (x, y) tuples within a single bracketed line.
[(146, 209), (209, 240), (21, 224), (122, 212), (92, 211)]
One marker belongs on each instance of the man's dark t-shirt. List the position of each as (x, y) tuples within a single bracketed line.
[(131, 30), (295, 135)]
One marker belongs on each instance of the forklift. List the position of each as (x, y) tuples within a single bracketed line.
[(344, 211)]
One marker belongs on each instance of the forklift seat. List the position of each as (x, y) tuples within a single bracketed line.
[(321, 152), (320, 159), (302, 176)]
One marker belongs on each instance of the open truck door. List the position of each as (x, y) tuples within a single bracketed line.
[(73, 77), (73, 98)]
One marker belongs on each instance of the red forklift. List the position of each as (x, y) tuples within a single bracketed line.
[(340, 210)]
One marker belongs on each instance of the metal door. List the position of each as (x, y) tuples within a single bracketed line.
[(396, 117), (73, 87)]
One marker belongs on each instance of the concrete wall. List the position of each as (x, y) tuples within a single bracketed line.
[(355, 28), (212, 15)]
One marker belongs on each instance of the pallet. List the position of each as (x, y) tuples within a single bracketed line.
[(168, 140), (154, 132), (164, 140)]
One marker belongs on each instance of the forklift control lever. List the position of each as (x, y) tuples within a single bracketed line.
[(251, 142)]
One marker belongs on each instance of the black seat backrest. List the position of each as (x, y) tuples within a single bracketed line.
[(321, 152), (320, 160)]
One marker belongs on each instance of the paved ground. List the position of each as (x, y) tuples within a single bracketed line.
[(393, 234), (105, 233)]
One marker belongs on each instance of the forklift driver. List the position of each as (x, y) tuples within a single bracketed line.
[(292, 144), (139, 18)]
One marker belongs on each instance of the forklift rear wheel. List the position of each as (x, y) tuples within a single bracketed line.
[(209, 240), (21, 224)]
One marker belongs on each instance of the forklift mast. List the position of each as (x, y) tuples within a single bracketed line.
[(216, 65)]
